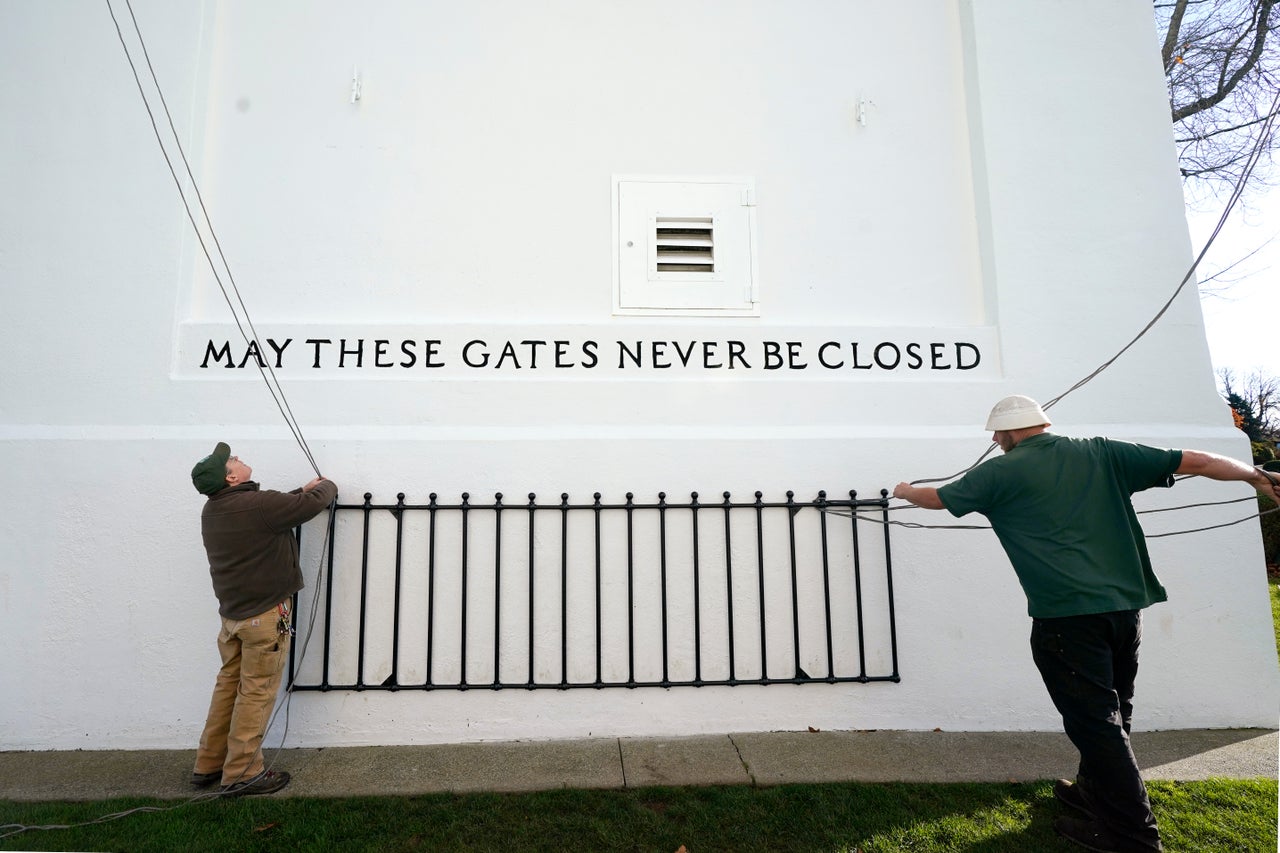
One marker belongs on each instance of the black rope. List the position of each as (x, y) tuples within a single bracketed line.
[(1237, 191), (918, 526), (272, 383), (910, 524), (1213, 526), (1196, 506), (985, 454)]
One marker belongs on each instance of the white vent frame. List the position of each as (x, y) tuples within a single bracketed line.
[(645, 282)]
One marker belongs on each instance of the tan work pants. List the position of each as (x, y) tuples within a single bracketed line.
[(253, 656)]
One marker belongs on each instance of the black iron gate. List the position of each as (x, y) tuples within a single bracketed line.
[(570, 595)]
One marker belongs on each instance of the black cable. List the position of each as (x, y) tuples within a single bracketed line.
[(311, 621), (918, 526), (1237, 191), (289, 418), (1213, 526), (911, 524), (1254, 156), (277, 393), (1196, 506)]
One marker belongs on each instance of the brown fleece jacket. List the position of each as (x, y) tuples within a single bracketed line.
[(253, 555)]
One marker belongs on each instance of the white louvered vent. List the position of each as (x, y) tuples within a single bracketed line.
[(685, 244)]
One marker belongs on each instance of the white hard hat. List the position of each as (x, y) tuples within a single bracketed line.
[(1016, 412)]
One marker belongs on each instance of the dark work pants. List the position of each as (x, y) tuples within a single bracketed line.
[(1089, 664)]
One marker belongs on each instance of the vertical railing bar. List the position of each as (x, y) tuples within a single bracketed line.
[(364, 592), (328, 596), (599, 593), (395, 619), (631, 594), (697, 595), (728, 581), (293, 612), (795, 585), (432, 510), (857, 584), (826, 582), (662, 561), (764, 644), (564, 589), (497, 588), (466, 529), (888, 571), (533, 508)]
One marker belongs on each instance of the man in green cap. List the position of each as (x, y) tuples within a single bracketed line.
[(1062, 511), (253, 561)]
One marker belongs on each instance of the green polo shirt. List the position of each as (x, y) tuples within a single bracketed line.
[(1060, 507)]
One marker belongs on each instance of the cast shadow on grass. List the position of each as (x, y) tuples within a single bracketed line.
[(828, 818), (842, 817), (1009, 818)]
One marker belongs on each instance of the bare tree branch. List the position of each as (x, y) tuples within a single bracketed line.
[(1171, 35), (1227, 84), (1232, 129), (1222, 66)]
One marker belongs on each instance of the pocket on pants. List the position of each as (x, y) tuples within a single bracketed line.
[(1046, 641), (265, 661), (1069, 667), (263, 650)]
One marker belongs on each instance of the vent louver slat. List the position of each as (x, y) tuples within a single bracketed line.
[(685, 244)]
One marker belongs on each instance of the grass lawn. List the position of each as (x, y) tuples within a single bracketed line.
[(1217, 815)]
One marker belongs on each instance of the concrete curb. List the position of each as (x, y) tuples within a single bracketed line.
[(755, 758)]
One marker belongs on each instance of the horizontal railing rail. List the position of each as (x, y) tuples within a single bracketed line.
[(568, 595)]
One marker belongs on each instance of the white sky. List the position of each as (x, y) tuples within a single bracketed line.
[(1242, 311)]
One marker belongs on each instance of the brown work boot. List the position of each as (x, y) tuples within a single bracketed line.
[(204, 780), (1072, 796), (266, 782), (1092, 835)]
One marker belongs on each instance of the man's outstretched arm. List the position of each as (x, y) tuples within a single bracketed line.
[(921, 496), (1217, 467)]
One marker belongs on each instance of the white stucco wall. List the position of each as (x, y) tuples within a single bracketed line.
[(1014, 185)]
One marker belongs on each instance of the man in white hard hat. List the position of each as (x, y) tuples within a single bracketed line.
[(1061, 509)]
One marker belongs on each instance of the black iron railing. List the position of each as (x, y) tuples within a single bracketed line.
[(467, 596)]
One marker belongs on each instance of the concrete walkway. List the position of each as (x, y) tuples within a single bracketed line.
[(761, 758)]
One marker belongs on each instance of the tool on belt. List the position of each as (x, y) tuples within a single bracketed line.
[(285, 624)]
